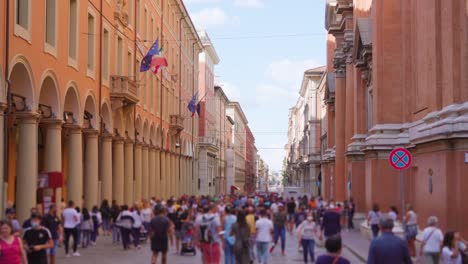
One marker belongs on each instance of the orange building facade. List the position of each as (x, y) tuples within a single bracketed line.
[(76, 103), (398, 77)]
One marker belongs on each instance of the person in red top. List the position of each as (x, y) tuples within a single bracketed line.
[(11, 247)]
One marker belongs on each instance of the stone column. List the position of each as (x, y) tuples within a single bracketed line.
[(75, 164), (145, 178), (340, 111), (152, 172), (157, 174), (183, 178), (2, 154), (91, 168), (163, 182), (106, 166), (138, 172), (53, 147), (26, 167), (118, 169), (128, 173)]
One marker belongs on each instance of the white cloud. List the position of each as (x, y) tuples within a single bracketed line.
[(188, 2), (249, 3), (212, 17)]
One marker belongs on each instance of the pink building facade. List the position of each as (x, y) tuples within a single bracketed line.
[(398, 78)]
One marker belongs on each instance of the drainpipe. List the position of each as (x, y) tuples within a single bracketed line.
[(161, 94), (135, 132), (180, 83), (6, 157), (193, 123)]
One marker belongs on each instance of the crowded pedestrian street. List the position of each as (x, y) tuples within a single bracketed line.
[(106, 253)]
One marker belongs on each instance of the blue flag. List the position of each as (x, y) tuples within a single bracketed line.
[(192, 106), (146, 62)]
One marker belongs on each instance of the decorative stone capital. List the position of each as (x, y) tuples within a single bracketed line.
[(72, 128), (118, 139), (30, 117), (129, 141), (339, 63), (52, 123), (106, 136), (3, 107), (91, 133)]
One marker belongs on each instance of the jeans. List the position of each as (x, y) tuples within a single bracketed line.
[(73, 232), (375, 230), (125, 237), (308, 246), (115, 234), (280, 232), (94, 232), (350, 220), (252, 247), (85, 238), (106, 225), (136, 236), (262, 252), (431, 258), (229, 257)]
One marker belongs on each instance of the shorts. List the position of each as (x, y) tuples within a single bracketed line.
[(159, 245), (290, 217), (211, 252), (178, 234), (53, 250)]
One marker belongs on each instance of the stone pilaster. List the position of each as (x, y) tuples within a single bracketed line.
[(26, 167), (118, 169), (145, 173), (163, 175), (106, 166), (91, 168), (128, 173), (75, 164), (152, 172), (138, 171), (53, 148), (157, 182)]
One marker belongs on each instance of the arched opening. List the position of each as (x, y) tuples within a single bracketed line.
[(119, 129), (71, 108), (129, 125), (146, 132), (90, 118), (138, 129), (106, 116), (152, 135), (21, 153)]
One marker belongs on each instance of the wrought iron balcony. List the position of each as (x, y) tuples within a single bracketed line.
[(176, 124), (124, 88)]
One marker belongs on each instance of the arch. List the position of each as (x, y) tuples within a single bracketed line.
[(119, 123), (152, 134), (158, 137), (164, 139), (72, 103), (129, 125), (90, 108), (106, 117), (49, 94), (146, 132), (184, 147), (138, 128), (22, 82)]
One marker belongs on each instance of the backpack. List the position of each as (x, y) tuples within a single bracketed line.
[(207, 229)]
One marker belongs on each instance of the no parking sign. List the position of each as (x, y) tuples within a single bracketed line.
[(400, 159)]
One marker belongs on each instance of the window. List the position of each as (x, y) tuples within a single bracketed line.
[(158, 96), (369, 107), (105, 55), (145, 25), (91, 42), (130, 11), (73, 29), (137, 17), (119, 64), (129, 64), (152, 38), (50, 22), (152, 93), (22, 13), (146, 84)]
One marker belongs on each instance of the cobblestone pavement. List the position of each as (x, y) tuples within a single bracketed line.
[(106, 253)]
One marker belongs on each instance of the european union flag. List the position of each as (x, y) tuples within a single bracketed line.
[(146, 62)]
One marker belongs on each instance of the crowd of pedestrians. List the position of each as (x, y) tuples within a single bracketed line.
[(245, 229)]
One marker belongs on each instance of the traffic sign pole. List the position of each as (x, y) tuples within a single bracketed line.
[(402, 190), (401, 159)]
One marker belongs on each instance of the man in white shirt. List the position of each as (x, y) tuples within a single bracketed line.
[(71, 219), (432, 238), (264, 228)]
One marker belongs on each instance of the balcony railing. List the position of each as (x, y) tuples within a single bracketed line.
[(125, 88), (210, 142), (177, 123)]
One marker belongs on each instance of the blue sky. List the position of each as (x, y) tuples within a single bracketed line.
[(261, 66)]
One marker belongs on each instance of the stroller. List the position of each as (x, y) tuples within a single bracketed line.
[(143, 235), (187, 241)]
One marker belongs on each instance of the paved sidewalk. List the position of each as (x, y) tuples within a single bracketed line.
[(356, 243), (106, 253)]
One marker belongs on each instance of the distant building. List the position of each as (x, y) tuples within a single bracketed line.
[(303, 165)]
